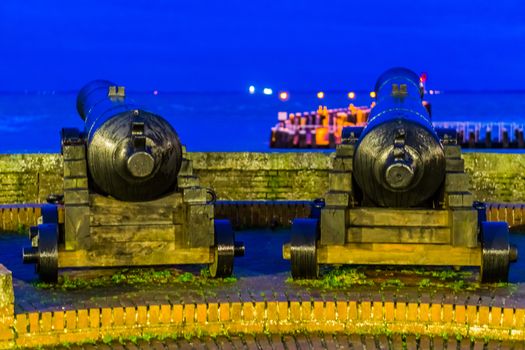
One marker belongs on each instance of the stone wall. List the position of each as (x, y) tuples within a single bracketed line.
[(264, 176), (496, 177), (29, 178)]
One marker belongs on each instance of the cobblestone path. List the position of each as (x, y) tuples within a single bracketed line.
[(303, 341)]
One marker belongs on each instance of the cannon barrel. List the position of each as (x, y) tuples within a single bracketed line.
[(399, 160), (132, 154)]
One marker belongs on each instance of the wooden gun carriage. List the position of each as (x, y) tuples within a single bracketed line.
[(130, 196), (398, 195)]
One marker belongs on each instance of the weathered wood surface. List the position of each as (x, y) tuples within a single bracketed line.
[(136, 215), (398, 217), (104, 202), (135, 254), (333, 225), (399, 254), (396, 234), (134, 233), (464, 226)]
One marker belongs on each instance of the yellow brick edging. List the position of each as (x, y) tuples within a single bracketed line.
[(377, 317)]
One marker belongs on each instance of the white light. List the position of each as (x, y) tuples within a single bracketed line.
[(251, 89), (267, 91)]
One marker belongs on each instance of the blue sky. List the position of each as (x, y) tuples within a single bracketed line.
[(226, 45)]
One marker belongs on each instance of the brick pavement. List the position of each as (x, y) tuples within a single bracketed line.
[(303, 341)]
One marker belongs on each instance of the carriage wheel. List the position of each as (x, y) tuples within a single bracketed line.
[(45, 256), (303, 248), (222, 265), (497, 252)]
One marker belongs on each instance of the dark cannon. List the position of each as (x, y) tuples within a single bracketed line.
[(399, 195), (399, 160), (130, 196), (132, 154)]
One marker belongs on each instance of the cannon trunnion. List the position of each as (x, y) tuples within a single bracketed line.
[(130, 197), (398, 195)]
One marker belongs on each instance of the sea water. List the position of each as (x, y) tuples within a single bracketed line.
[(31, 122)]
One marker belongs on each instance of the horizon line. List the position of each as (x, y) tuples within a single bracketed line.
[(71, 91)]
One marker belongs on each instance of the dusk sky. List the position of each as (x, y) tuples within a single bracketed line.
[(228, 45)]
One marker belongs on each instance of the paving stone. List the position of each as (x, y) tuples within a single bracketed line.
[(438, 343), (263, 341), (465, 343), (369, 342), (342, 340), (301, 340), (170, 344), (250, 342), (425, 342), (131, 346), (156, 345), (237, 342), (356, 342), (115, 345), (197, 343), (452, 343), (493, 345), (316, 341), (210, 343), (397, 341), (411, 342), (289, 342), (381, 342), (277, 342), (224, 343), (328, 342), (478, 345)]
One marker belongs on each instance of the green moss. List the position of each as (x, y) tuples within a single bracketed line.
[(186, 277), (22, 229), (424, 283), (107, 339), (386, 277), (337, 278), (138, 276), (393, 282)]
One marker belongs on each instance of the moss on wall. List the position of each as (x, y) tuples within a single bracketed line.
[(272, 176), (26, 178), (496, 177)]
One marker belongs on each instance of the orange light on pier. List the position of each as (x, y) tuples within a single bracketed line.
[(373, 94), (284, 96), (320, 95), (351, 95)]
